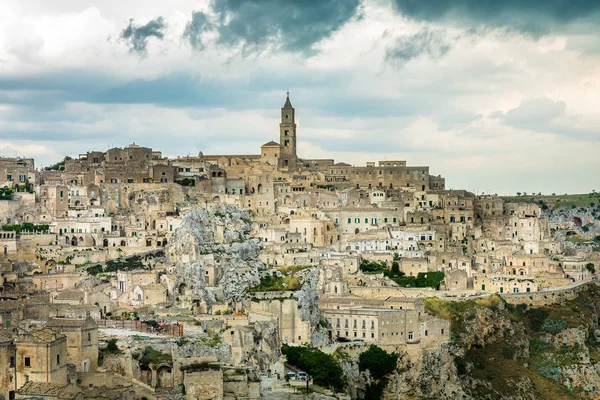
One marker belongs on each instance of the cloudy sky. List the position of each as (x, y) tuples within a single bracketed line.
[(498, 96)]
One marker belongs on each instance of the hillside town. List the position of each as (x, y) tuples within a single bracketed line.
[(126, 274)]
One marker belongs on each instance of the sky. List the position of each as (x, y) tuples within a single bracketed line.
[(496, 96)]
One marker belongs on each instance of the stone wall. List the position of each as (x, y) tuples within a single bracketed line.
[(203, 385), (547, 297)]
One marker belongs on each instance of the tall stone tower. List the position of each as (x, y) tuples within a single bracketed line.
[(287, 136)]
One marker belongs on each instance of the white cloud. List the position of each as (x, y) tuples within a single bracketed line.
[(467, 112)]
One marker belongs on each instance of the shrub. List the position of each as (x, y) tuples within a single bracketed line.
[(112, 348), (94, 270), (151, 356), (323, 369), (200, 366), (537, 318), (590, 267), (378, 361), (554, 326)]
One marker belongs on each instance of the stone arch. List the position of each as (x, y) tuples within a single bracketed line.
[(123, 243), (182, 289), (356, 231), (164, 376), (287, 200), (146, 375), (74, 241), (164, 242), (260, 188), (148, 242), (105, 243), (216, 198)]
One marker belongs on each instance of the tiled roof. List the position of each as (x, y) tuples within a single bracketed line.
[(45, 335), (70, 295)]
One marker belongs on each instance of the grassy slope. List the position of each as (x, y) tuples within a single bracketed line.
[(566, 200), (494, 362)]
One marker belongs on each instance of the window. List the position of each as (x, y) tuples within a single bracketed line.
[(26, 378), (27, 362), (58, 359), (410, 336), (12, 361)]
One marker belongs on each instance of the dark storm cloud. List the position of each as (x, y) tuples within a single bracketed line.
[(137, 36), (430, 42), (535, 17), (195, 30), (255, 25)]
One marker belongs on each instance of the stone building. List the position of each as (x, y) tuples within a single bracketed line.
[(8, 383), (281, 308), (82, 341), (41, 356)]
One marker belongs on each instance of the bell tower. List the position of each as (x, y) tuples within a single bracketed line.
[(287, 136)]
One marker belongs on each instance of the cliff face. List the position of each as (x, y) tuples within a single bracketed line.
[(500, 351), (223, 232)]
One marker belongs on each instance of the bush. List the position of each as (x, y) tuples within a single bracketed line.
[(378, 361), (536, 317), (373, 266), (590, 267), (112, 348), (323, 369), (94, 270), (554, 326), (186, 182), (151, 356), (203, 366)]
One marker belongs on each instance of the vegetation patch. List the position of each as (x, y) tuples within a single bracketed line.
[(323, 368), (151, 356), (203, 366), (26, 227), (380, 364), (273, 283)]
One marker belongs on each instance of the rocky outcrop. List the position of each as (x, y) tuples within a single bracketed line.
[(224, 232)]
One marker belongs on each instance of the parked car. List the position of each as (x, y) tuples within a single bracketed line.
[(342, 339), (302, 376), (290, 376), (358, 340)]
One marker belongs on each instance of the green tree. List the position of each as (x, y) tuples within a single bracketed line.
[(378, 361), (94, 270), (323, 368), (590, 267), (112, 348)]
